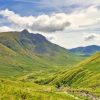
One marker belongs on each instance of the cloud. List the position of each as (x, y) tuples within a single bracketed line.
[(92, 37), (75, 39), (77, 20), (44, 23), (5, 29), (51, 38), (17, 19), (88, 16), (71, 26)]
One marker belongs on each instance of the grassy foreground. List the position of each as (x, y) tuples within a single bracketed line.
[(82, 79), (17, 90)]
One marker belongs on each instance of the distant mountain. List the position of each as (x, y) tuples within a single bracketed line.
[(88, 50), (24, 51)]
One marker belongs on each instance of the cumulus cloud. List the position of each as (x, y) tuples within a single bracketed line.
[(92, 37), (87, 16), (76, 23), (44, 23), (76, 20)]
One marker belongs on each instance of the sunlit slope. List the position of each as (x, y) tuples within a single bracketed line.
[(84, 75), (29, 91), (24, 51)]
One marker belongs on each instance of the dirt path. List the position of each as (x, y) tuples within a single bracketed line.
[(84, 94)]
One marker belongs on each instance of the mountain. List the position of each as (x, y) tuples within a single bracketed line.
[(22, 52), (88, 50), (27, 59), (84, 76)]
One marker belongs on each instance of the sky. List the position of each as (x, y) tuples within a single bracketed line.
[(68, 23)]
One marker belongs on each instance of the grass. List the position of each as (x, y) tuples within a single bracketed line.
[(35, 69), (83, 76), (21, 53), (29, 91)]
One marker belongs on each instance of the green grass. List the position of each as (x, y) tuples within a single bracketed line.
[(17, 90), (25, 52), (83, 76), (35, 69)]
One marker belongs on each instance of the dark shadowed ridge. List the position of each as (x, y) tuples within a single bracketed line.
[(36, 36)]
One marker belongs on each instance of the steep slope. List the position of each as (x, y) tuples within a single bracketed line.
[(88, 50), (24, 51), (84, 76)]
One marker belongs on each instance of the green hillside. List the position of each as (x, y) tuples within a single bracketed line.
[(22, 52), (35, 69), (30, 91), (84, 77)]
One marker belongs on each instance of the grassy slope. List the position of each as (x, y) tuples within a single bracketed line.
[(11, 63), (85, 75), (29, 91), (25, 52)]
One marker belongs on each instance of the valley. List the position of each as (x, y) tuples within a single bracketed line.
[(33, 68)]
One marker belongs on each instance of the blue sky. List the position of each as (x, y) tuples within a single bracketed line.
[(21, 6), (36, 7), (68, 23)]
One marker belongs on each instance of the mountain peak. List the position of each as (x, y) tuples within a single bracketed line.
[(25, 31)]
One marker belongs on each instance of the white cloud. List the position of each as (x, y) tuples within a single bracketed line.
[(17, 19), (42, 23), (77, 23), (92, 37), (5, 29), (56, 22), (82, 18), (75, 39)]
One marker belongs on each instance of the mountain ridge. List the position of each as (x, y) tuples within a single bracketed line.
[(86, 50), (31, 52)]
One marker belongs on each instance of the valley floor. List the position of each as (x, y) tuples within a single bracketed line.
[(24, 90), (17, 90)]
